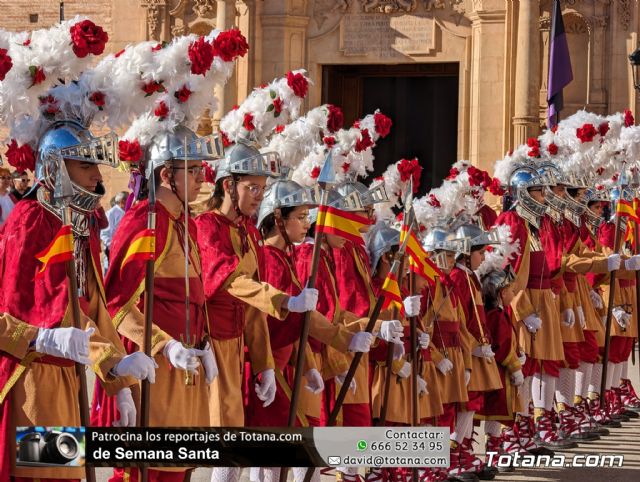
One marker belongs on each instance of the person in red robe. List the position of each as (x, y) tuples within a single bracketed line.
[(284, 220), (485, 376), (38, 346), (500, 406)]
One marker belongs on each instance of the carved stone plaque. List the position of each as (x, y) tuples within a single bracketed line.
[(386, 36)]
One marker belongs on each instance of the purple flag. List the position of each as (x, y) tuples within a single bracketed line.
[(560, 74)]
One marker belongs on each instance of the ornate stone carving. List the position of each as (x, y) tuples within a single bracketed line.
[(153, 16), (178, 30), (575, 25), (388, 6), (625, 11), (545, 23), (455, 5), (204, 8), (322, 11)]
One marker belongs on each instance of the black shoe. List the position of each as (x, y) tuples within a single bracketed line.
[(612, 423), (559, 443), (487, 473), (631, 413), (620, 418), (598, 429), (464, 477), (585, 437)]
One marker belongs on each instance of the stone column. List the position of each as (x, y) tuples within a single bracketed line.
[(218, 92), (487, 82), (526, 122)]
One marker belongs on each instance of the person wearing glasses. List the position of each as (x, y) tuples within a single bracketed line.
[(20, 185), (6, 203)]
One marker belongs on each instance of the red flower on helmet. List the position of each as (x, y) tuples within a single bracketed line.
[(130, 151), (162, 111), (98, 99), (410, 169), (152, 87), (553, 149), (88, 38), (476, 176), (279, 128), (383, 124), (329, 141), (21, 157), (248, 121), (453, 173), (230, 44), (37, 75), (335, 118), (603, 129), (434, 201), (209, 173), (201, 56), (599, 171), (183, 94), (496, 187), (298, 83), (315, 172), (628, 118), (226, 142), (5, 63), (586, 133), (276, 107), (554, 129), (533, 142), (345, 167), (364, 142), (118, 54)]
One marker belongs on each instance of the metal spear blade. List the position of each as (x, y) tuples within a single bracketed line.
[(327, 174)]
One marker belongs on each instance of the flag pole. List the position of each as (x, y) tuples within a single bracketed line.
[(63, 193), (395, 267), (612, 292), (325, 180)]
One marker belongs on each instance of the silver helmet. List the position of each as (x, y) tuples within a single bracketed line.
[(70, 140), (476, 237), (369, 197), (557, 205), (182, 144), (494, 282), (284, 193), (244, 157), (523, 178), (595, 194), (380, 240), (440, 239)]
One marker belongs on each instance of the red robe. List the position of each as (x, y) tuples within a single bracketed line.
[(488, 216)]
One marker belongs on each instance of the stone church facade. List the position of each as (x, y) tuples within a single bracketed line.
[(465, 79)]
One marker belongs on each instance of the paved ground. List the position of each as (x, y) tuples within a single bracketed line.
[(623, 441)]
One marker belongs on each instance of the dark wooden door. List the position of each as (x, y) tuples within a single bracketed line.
[(420, 99)]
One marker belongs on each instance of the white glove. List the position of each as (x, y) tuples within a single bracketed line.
[(405, 371), (445, 366), (69, 343), (361, 341), (352, 386), (398, 351), (633, 263), (467, 376), (517, 378), (412, 305), (483, 351), (522, 358), (266, 387), (391, 331), (533, 323), (181, 357), (422, 386), (424, 339), (568, 317), (305, 301), (208, 360), (596, 299), (613, 262), (138, 365), (621, 316), (581, 318), (127, 409), (315, 383)]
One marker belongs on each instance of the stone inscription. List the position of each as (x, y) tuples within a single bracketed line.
[(385, 36)]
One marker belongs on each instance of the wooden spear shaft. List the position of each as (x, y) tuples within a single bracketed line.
[(80, 369), (612, 292)]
